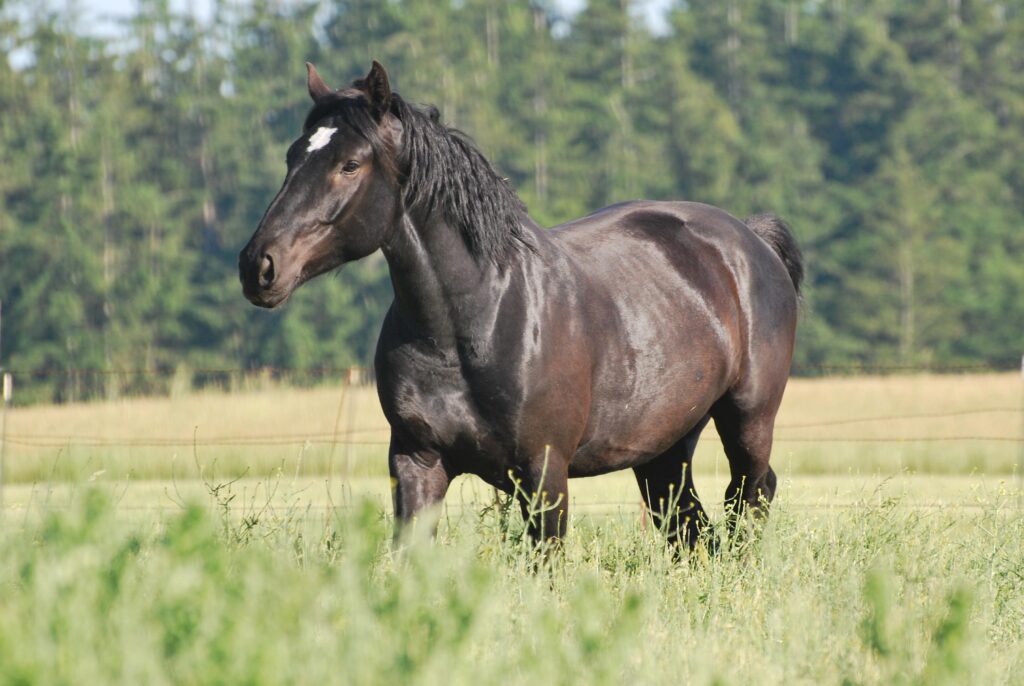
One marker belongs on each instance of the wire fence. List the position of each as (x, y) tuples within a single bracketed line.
[(55, 441), (995, 428), (66, 384), (1008, 364), (860, 368), (354, 436)]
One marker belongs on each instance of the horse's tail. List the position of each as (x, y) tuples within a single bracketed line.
[(775, 233)]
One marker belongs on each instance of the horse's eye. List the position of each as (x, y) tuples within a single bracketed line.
[(350, 167)]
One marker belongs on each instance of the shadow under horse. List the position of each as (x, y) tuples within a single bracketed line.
[(529, 356)]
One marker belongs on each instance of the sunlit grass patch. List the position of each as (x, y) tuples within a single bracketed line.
[(864, 425)]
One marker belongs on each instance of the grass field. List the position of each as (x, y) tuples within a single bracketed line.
[(890, 557), (875, 592)]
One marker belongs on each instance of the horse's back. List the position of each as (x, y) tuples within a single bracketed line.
[(625, 244), (651, 220)]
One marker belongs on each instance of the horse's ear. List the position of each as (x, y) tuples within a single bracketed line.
[(316, 85), (378, 89)]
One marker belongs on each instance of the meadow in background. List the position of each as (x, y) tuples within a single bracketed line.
[(863, 425)]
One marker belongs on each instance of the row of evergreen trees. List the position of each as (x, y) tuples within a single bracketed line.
[(889, 133)]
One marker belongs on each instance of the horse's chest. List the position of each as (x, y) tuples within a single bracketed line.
[(438, 409)]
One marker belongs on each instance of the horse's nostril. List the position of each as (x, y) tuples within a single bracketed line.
[(266, 271)]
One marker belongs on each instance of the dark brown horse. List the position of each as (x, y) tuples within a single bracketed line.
[(528, 356)]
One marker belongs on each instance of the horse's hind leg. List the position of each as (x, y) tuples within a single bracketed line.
[(746, 435), (543, 496), (666, 483)]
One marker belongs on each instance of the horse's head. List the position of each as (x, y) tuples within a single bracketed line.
[(340, 195)]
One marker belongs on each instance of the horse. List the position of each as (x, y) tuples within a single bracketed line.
[(528, 356)]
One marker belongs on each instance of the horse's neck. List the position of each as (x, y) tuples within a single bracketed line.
[(442, 292)]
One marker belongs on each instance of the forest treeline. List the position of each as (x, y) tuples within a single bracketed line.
[(888, 133)]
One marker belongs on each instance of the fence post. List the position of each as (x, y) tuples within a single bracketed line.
[(5, 400), (1020, 444), (352, 378)]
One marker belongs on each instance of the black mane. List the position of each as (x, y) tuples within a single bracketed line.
[(440, 169)]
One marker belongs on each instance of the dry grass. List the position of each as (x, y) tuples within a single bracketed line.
[(861, 425)]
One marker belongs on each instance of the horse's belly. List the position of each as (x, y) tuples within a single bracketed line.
[(634, 438), (649, 402), (601, 457)]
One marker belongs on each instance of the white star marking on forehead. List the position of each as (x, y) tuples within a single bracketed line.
[(321, 138)]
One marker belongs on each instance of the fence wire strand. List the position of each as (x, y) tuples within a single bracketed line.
[(375, 437), (41, 441)]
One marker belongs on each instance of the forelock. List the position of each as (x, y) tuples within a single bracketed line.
[(350, 105), (350, 108)]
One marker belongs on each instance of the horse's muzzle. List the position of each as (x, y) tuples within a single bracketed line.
[(258, 272)]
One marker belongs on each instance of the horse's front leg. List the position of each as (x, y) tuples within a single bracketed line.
[(419, 480)]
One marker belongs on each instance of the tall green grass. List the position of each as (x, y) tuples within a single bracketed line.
[(876, 594)]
